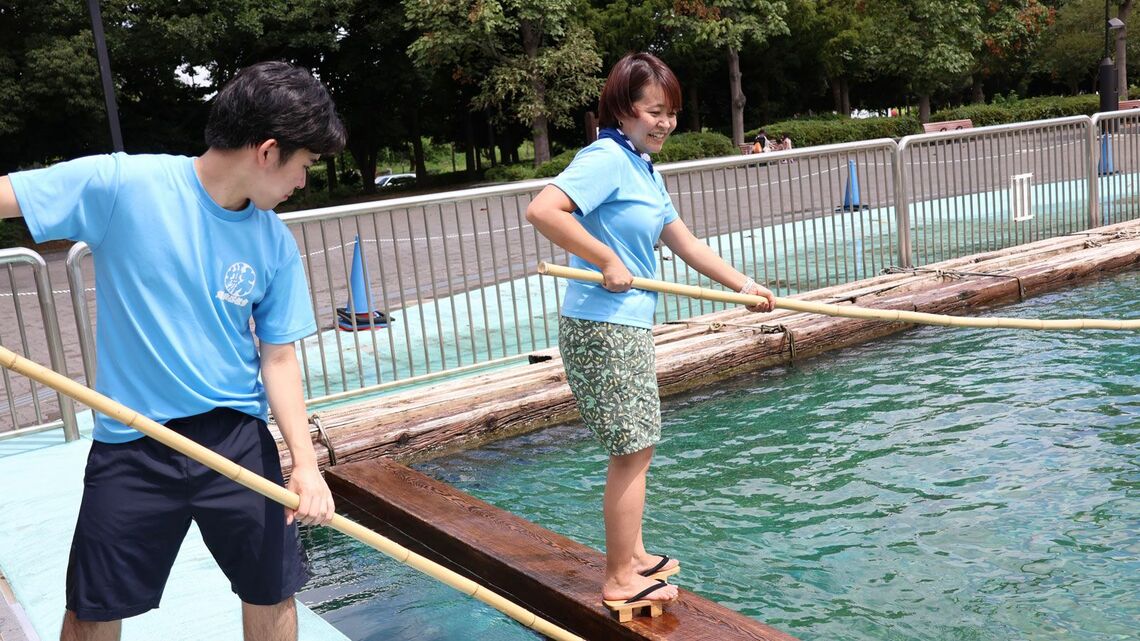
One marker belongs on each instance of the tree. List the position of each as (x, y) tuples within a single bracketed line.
[(55, 105), (1011, 30), (1124, 12), (530, 60), (844, 53), (927, 43), (727, 25), (1073, 45), (49, 80), (378, 90)]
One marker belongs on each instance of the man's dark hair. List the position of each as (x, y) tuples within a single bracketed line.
[(627, 83), (275, 100)]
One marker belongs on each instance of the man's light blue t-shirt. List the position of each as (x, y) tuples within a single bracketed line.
[(624, 204), (177, 280)]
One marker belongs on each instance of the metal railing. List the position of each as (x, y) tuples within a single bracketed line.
[(1114, 158), (796, 220), (454, 271), (25, 401), (957, 189)]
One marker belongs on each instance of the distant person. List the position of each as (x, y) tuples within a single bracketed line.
[(187, 253), (609, 209), (760, 143), (786, 142)]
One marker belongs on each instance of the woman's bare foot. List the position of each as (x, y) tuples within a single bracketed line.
[(614, 590)]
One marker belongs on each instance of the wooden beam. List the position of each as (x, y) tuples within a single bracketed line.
[(547, 573)]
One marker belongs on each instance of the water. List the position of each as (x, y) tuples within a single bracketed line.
[(938, 485)]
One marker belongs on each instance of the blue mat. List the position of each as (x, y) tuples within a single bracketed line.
[(40, 486)]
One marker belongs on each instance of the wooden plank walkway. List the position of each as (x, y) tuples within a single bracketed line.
[(543, 571), (458, 413)]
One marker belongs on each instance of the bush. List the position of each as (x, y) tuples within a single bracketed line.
[(555, 165), (685, 146), (830, 131), (695, 145), (827, 129), (979, 114), (1056, 107), (1007, 111), (509, 173), (14, 233)]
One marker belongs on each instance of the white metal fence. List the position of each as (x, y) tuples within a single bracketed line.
[(454, 272)]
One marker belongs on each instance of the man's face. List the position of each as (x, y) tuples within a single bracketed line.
[(280, 180)]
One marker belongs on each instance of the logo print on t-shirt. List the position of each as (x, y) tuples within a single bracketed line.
[(239, 281)]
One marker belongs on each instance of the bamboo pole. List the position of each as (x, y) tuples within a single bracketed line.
[(847, 311), (272, 491)]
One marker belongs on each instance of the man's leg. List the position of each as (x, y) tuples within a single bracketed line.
[(270, 622), (76, 630), (246, 532)]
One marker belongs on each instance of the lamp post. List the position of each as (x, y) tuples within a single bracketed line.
[(105, 72), (1109, 94)]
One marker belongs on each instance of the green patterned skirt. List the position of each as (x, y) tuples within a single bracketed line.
[(612, 373)]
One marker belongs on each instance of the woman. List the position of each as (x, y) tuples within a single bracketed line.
[(609, 208)]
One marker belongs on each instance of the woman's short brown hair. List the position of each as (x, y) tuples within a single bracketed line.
[(626, 85)]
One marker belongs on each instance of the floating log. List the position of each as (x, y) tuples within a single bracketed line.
[(544, 572), (702, 350)]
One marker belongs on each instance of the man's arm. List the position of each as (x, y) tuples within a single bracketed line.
[(9, 207), (281, 375)]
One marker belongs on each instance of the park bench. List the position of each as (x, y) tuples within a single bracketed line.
[(1128, 104), (948, 125)]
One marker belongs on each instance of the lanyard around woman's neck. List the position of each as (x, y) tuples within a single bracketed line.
[(619, 136)]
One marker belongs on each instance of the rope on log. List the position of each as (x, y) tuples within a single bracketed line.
[(762, 328), (954, 273)]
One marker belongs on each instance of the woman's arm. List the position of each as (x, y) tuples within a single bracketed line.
[(552, 214), (702, 258)]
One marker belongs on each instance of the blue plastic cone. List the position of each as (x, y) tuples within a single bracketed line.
[(361, 317), (1104, 167), (851, 200), (359, 281)]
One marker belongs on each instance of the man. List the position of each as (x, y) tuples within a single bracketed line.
[(187, 252)]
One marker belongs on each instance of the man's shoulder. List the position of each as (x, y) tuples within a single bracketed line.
[(149, 163)]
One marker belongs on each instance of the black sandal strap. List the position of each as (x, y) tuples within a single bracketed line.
[(660, 564), (646, 592)]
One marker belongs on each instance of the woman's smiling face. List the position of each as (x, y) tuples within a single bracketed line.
[(654, 122)]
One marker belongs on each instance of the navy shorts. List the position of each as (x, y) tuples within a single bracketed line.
[(138, 500)]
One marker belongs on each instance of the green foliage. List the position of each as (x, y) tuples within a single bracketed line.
[(980, 115), (695, 145), (1073, 46), (829, 131), (529, 62), (928, 43), (509, 173), (684, 146), (14, 233), (730, 24), (555, 165), (1022, 110)]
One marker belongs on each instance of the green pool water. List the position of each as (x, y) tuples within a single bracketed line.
[(942, 484)]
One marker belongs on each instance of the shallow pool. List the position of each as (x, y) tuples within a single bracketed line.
[(944, 484)]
